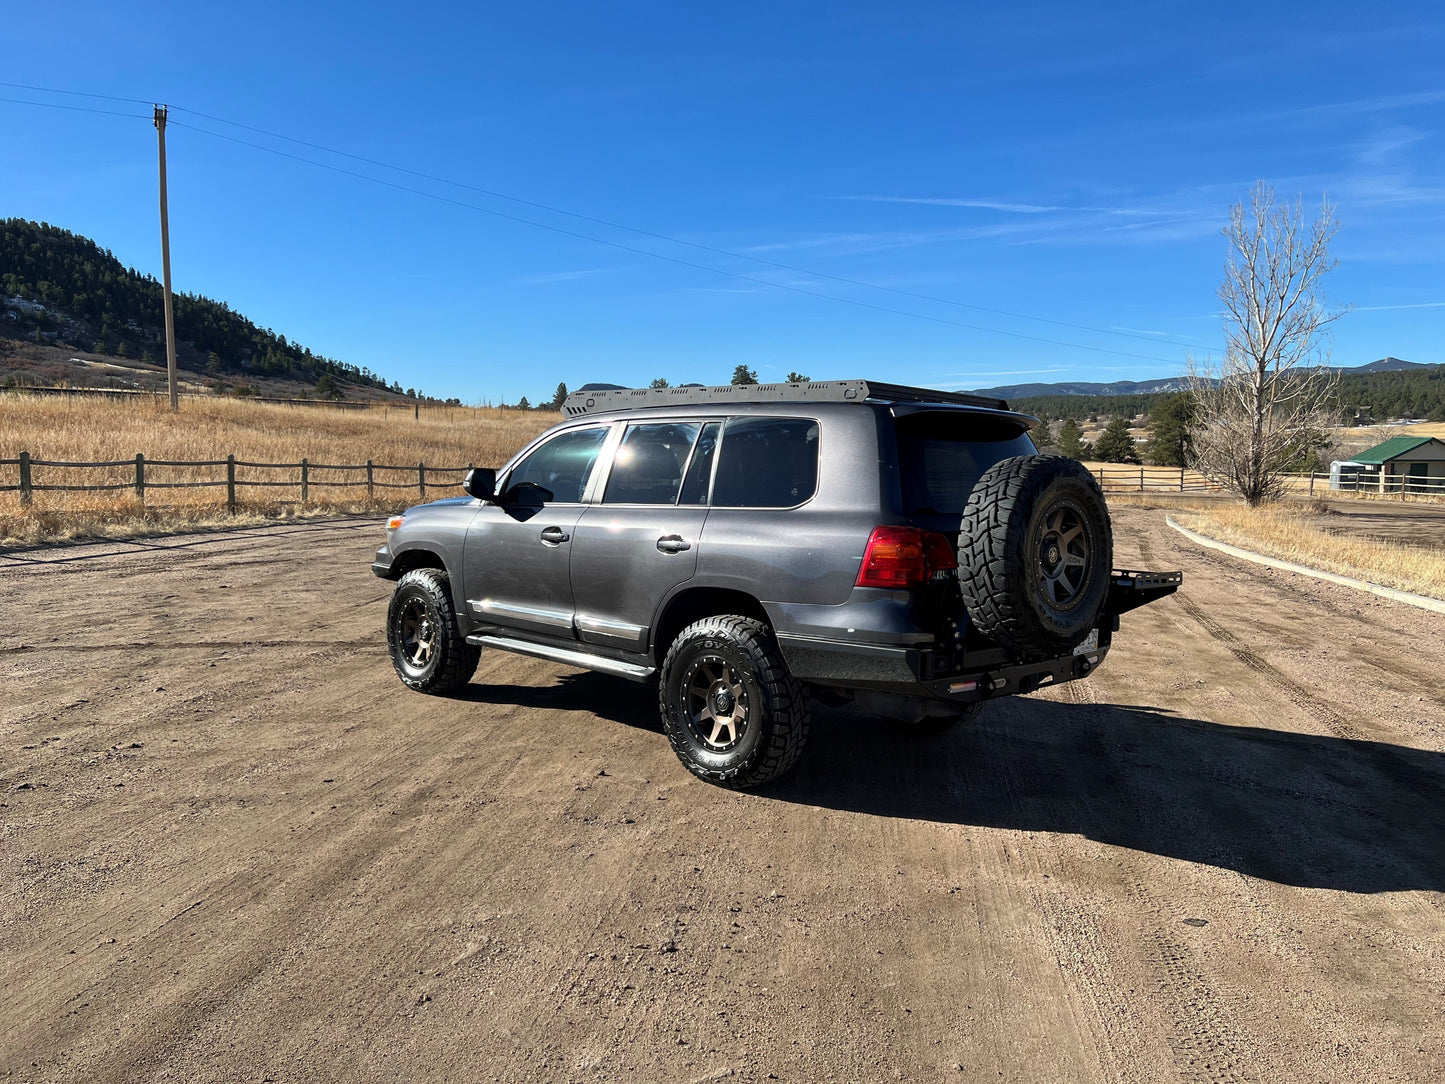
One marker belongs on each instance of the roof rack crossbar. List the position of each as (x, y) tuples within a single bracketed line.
[(817, 391)]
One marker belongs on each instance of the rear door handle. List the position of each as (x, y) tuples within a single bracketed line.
[(554, 536), (673, 543)]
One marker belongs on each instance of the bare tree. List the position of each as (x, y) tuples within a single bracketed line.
[(1271, 402)]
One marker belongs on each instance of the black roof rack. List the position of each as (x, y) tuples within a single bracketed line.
[(817, 391)]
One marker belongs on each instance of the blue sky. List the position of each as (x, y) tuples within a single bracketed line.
[(1068, 162)]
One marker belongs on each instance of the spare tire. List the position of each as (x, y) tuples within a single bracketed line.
[(1035, 550)]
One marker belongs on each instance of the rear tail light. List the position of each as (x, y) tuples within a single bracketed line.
[(904, 556)]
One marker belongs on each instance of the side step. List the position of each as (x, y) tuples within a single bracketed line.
[(630, 670)]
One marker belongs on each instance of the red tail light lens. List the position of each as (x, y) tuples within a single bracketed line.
[(903, 556)]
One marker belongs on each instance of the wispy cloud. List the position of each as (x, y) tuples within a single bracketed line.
[(563, 276), (1135, 330), (1392, 308), (1005, 205)]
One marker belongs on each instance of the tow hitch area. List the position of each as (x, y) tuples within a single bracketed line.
[(1130, 590)]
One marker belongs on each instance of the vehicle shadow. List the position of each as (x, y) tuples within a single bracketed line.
[(1297, 809), (614, 699)]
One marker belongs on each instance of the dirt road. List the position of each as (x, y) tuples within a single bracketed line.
[(234, 848)]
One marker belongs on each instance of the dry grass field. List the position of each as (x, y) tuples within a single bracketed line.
[(98, 430), (1313, 533)]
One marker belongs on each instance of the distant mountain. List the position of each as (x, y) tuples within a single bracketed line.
[(1156, 387), (1387, 365), (1118, 387)]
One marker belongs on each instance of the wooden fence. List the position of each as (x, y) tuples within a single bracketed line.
[(419, 477), (1125, 479)]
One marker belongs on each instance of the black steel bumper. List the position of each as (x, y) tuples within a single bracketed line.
[(922, 672)]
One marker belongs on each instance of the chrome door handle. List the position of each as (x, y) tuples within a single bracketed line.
[(673, 543), (554, 536)]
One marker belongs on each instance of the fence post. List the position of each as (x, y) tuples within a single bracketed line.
[(24, 477), (1141, 479), (370, 480), (231, 484), (421, 479), (305, 480), (1312, 483), (140, 477), (1181, 479)]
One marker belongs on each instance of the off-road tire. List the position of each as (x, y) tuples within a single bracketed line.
[(1003, 547), (449, 661), (776, 727)]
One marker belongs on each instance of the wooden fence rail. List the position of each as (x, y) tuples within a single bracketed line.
[(1124, 479), (420, 477)]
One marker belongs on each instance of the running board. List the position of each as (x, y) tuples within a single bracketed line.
[(630, 670)]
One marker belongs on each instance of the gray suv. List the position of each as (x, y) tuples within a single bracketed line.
[(750, 549)]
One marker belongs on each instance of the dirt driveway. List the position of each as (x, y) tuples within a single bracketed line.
[(235, 849)]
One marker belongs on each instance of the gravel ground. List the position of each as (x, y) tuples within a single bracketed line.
[(234, 848)]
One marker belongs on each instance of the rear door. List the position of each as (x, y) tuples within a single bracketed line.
[(641, 541), (518, 554)]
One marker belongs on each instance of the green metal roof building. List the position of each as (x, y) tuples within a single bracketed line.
[(1414, 464)]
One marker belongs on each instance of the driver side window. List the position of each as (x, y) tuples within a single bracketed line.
[(562, 465)]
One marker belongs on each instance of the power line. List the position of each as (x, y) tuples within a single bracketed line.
[(615, 225), (682, 241), (659, 256), (73, 108)]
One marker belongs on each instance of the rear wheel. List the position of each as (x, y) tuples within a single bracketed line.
[(731, 710), (427, 647)]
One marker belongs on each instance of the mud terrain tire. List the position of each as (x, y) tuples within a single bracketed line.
[(1035, 550), (733, 713), (427, 647)]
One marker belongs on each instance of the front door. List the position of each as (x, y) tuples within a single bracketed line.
[(641, 540), (518, 553)]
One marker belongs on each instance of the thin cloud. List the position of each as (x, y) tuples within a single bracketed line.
[(1004, 205), (1391, 308), (563, 276)]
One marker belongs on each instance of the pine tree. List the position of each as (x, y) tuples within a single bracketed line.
[(1043, 435), (560, 395), (659, 382), (1116, 445), (1071, 441), (524, 404), (1169, 437), (743, 375), (797, 378)]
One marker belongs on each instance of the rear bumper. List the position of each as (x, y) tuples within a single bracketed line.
[(908, 671)]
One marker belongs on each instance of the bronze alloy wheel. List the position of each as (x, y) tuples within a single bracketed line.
[(1064, 550), (715, 703), (418, 634)]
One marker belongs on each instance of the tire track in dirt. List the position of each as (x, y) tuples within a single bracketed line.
[(1203, 1037), (1292, 690)]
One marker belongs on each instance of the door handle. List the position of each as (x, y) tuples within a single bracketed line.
[(554, 536), (673, 543)]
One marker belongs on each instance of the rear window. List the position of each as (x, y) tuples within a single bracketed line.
[(942, 454), (766, 463)]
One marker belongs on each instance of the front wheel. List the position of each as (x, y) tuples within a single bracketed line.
[(733, 713), (427, 647)]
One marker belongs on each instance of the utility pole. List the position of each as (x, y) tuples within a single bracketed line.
[(166, 263)]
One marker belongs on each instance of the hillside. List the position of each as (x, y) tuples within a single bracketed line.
[(1388, 388), (62, 291)]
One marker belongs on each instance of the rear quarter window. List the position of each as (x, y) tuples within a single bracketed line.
[(766, 463), (942, 455)]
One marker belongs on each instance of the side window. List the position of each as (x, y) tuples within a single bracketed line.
[(699, 471), (649, 463), (767, 463), (562, 465)]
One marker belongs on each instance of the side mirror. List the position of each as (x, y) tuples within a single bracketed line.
[(528, 495), (481, 483)]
